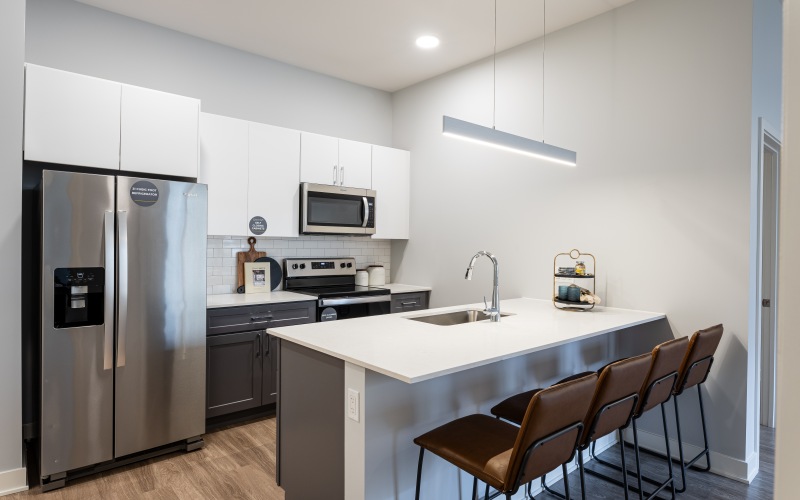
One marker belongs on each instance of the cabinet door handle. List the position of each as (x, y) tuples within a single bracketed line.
[(334, 175), (341, 172), (260, 318), (266, 344), (258, 351), (409, 303)]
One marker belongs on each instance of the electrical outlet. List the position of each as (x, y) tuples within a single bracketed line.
[(353, 404)]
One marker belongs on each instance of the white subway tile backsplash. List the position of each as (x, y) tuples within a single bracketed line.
[(221, 260)]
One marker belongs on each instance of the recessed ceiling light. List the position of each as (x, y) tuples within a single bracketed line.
[(427, 42)]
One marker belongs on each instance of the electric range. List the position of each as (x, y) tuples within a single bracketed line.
[(332, 281)]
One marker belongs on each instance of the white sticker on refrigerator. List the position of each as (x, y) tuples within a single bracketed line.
[(144, 193)]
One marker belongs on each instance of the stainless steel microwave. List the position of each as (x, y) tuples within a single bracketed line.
[(326, 209)]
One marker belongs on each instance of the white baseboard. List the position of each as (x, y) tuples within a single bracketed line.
[(722, 465), (13, 481)]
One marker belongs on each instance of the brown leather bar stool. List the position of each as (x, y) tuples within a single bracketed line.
[(657, 389), (611, 407), (693, 373), (505, 456)]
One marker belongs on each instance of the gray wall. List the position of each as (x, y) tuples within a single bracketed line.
[(656, 99), (75, 37), (12, 53)]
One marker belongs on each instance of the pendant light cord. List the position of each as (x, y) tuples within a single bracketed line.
[(494, 70), (544, 47)]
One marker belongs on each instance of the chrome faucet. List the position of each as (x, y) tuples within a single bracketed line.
[(493, 311)]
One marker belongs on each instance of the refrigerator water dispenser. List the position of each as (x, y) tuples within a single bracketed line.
[(78, 293)]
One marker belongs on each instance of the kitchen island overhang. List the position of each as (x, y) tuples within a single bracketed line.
[(412, 376)]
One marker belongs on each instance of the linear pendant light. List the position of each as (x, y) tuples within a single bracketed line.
[(453, 127), (460, 129)]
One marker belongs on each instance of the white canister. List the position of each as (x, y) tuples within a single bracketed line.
[(377, 275), (362, 277)]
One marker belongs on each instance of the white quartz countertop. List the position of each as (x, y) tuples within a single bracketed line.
[(413, 351), (253, 299), (400, 288)]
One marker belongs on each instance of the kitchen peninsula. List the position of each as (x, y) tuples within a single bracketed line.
[(353, 394)]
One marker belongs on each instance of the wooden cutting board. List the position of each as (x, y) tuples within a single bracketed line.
[(248, 256)]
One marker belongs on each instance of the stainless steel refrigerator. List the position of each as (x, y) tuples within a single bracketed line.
[(123, 317)]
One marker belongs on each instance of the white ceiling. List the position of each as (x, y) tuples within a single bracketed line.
[(369, 42)]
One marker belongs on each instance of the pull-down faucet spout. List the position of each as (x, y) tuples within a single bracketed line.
[(493, 311)]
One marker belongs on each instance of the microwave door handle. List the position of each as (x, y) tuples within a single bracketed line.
[(366, 211)]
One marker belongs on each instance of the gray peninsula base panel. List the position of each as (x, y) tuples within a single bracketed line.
[(310, 423)]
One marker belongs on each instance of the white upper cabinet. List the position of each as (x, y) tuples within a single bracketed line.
[(75, 119), (71, 119), (224, 167), (273, 190), (319, 158), (159, 132), (355, 164), (391, 179), (332, 161)]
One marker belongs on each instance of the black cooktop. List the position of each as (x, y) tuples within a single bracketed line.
[(341, 291)]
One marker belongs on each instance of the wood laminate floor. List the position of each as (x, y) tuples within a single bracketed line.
[(238, 462), (701, 485)]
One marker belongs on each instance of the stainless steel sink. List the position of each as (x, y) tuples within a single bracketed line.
[(456, 317)]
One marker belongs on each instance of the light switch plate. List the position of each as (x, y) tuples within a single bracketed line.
[(353, 404)]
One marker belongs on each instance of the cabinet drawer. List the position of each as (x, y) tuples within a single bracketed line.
[(405, 302), (236, 319)]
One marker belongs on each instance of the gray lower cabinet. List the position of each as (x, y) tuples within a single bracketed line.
[(405, 302), (241, 372), (234, 371)]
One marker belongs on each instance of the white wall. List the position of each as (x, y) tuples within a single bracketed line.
[(656, 99), (75, 37), (788, 407), (12, 52)]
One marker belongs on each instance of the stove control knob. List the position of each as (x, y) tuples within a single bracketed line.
[(302, 266), (294, 266), (349, 264), (342, 264)]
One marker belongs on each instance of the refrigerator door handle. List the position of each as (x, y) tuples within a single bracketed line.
[(108, 307), (122, 293)]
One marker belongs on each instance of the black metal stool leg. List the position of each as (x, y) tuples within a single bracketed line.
[(566, 480), (582, 474), (419, 471), (486, 495), (680, 447), (705, 434), (669, 454), (624, 466), (474, 488), (638, 462)]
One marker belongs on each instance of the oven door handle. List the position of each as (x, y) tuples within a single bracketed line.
[(346, 301)]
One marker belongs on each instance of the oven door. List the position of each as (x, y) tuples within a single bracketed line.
[(353, 307), (336, 210)]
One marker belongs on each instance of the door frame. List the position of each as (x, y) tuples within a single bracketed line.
[(768, 136)]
